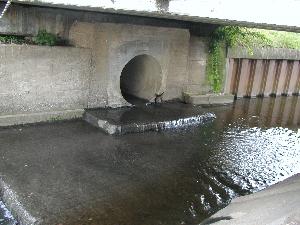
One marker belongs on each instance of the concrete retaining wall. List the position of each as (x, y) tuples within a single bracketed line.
[(39, 83)]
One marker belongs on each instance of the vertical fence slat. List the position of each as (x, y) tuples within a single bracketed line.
[(257, 79), (236, 77), (294, 78), (244, 78), (266, 64), (282, 76), (270, 80), (297, 90), (290, 66), (252, 64), (230, 76)]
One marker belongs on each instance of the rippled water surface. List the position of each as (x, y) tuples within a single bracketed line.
[(190, 173), (5, 216), (250, 146)]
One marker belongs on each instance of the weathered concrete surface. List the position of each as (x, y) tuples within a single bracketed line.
[(114, 45), (198, 54), (39, 83), (276, 205), (208, 99)]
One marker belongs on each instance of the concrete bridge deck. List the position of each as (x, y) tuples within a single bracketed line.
[(209, 12)]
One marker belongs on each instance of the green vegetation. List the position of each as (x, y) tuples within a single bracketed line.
[(233, 36), (281, 39), (45, 38), (42, 38), (11, 39)]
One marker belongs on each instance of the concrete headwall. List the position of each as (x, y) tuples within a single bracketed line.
[(114, 45), (38, 83)]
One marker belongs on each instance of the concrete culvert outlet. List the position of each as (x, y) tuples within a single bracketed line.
[(141, 78)]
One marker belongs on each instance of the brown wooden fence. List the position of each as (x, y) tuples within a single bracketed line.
[(262, 77)]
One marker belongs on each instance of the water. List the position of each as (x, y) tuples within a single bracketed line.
[(182, 176), (250, 146), (5, 216)]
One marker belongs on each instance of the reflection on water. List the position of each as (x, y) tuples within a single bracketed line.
[(252, 145), (5, 216)]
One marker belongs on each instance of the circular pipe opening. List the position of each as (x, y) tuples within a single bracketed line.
[(141, 79)]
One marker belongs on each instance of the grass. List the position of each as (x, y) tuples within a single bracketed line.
[(280, 39)]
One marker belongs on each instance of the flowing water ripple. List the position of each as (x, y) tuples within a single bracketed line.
[(5, 216)]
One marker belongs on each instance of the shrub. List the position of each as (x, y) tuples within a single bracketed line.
[(11, 39), (45, 38)]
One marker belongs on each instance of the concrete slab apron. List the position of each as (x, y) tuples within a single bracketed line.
[(145, 118)]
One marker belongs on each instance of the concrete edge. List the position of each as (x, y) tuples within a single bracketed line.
[(10, 199), (106, 126), (19, 119), (114, 129), (264, 53), (208, 99)]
